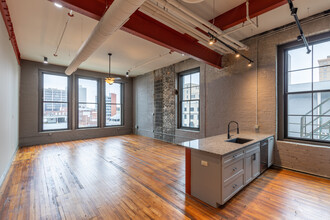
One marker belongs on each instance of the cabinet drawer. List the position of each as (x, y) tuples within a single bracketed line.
[(232, 187), (253, 147), (232, 157), (232, 169)]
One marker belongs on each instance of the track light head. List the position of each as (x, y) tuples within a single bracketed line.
[(250, 64), (127, 74), (58, 5), (45, 60), (237, 55), (212, 41)]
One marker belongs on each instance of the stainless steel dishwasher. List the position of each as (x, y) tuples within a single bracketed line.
[(263, 155)]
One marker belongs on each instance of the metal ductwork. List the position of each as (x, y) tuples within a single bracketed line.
[(115, 17)]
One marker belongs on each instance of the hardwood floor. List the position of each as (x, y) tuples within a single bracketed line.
[(133, 177)]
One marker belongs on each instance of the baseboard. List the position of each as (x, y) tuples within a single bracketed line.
[(300, 171), (4, 175)]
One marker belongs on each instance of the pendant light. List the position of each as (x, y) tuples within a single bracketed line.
[(109, 79)]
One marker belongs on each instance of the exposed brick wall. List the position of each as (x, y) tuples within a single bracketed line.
[(164, 103)]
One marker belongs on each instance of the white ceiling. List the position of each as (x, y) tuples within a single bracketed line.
[(38, 27), (282, 16), (39, 24)]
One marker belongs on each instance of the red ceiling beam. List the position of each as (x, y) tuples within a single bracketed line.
[(10, 28), (150, 29), (237, 15)]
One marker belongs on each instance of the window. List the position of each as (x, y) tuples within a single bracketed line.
[(307, 92), (189, 102), (54, 102), (88, 103), (113, 104)]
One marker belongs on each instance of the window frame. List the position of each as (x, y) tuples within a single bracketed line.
[(121, 106), (41, 100), (180, 101), (98, 101), (282, 87)]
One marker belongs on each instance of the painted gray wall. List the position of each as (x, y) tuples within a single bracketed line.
[(9, 90), (143, 87), (28, 126), (231, 93)]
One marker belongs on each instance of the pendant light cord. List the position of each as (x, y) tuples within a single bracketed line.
[(109, 63)]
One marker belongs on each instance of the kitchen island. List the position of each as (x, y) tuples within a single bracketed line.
[(217, 167)]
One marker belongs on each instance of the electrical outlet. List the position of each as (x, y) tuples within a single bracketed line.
[(204, 163)]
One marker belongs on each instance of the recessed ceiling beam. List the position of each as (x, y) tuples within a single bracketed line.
[(237, 15), (10, 28), (150, 29)]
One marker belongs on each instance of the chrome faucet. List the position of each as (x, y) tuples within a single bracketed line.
[(228, 135)]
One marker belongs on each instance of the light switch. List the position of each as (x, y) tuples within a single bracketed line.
[(204, 163)]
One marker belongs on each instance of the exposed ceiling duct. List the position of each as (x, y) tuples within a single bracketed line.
[(115, 17), (188, 20)]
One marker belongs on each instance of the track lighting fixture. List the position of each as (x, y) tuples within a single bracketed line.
[(127, 74), (45, 60), (212, 41), (237, 54), (58, 5)]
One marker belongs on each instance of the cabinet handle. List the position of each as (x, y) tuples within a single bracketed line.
[(234, 156), (234, 186), (234, 169)]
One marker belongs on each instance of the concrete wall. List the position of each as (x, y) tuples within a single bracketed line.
[(9, 90), (29, 127), (143, 102), (231, 93)]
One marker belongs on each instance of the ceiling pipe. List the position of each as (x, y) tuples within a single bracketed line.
[(114, 18), (170, 9), (248, 15), (202, 23), (182, 27)]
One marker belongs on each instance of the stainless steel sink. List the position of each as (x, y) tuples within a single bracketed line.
[(239, 140)]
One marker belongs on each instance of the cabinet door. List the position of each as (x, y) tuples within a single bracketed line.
[(255, 164), (252, 165), (270, 151), (248, 169)]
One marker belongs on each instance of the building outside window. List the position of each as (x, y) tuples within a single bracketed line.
[(54, 102), (307, 92), (88, 103), (189, 82), (113, 104)]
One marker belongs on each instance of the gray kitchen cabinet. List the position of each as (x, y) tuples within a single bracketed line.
[(215, 179), (252, 163)]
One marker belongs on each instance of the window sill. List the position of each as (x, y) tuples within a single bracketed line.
[(188, 130), (306, 142), (115, 126)]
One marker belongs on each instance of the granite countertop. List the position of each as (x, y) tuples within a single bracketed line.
[(218, 145)]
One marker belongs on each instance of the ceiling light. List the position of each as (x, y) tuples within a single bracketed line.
[(212, 41), (250, 64), (110, 80), (127, 74), (45, 60), (237, 55), (182, 54), (58, 5)]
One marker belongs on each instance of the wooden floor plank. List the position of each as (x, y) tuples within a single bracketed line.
[(134, 177)]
